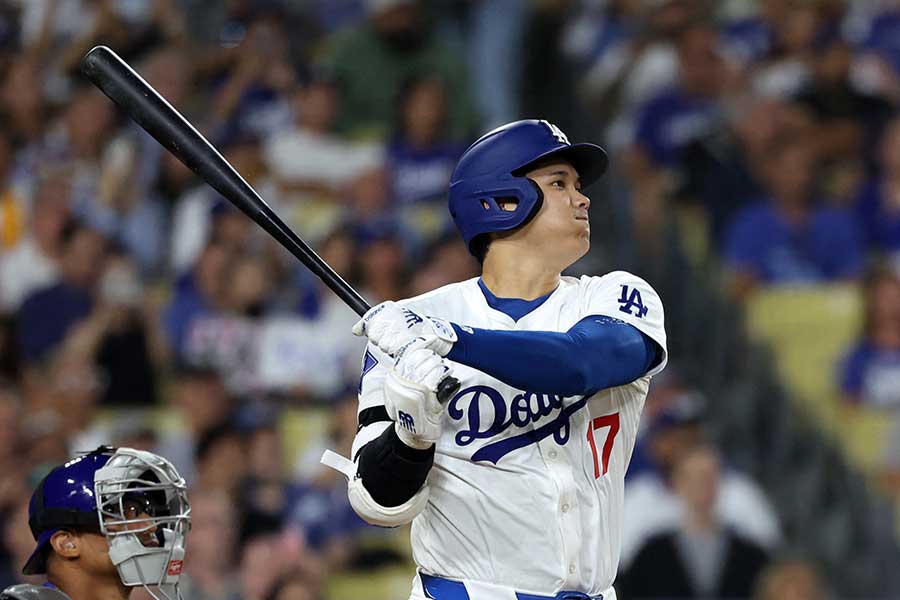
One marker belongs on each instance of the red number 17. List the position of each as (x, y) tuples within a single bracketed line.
[(611, 421)]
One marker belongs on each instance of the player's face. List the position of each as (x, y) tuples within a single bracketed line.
[(137, 509), (561, 228), (95, 546)]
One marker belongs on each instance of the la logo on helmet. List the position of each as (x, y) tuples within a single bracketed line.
[(557, 133)]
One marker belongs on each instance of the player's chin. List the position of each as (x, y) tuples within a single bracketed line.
[(582, 243), (584, 234)]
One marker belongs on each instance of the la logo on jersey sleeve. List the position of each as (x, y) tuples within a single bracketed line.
[(631, 302)]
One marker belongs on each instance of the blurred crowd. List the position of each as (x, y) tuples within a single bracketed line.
[(138, 307)]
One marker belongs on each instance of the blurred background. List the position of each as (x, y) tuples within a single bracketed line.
[(755, 184)]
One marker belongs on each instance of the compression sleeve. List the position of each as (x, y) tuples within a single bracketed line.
[(598, 352), (391, 471)]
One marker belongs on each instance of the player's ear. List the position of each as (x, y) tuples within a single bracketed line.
[(66, 544)]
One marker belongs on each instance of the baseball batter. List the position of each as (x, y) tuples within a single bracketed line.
[(514, 486), (106, 522)]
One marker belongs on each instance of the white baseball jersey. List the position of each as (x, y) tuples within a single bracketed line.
[(526, 489)]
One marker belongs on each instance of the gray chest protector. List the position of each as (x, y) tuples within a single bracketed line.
[(26, 591)]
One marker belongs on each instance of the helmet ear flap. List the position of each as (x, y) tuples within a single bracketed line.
[(536, 206)]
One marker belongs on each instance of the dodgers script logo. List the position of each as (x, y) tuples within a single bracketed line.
[(526, 408)]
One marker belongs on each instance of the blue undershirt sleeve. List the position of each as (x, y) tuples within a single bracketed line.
[(598, 352)]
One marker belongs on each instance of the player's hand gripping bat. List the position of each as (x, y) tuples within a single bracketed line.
[(160, 119)]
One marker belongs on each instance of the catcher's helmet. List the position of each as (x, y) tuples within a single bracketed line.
[(494, 166), (124, 495), (65, 498)]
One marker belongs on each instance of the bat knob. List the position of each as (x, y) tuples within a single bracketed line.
[(447, 388)]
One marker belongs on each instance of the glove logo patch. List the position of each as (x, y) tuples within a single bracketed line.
[(406, 421), (412, 318)]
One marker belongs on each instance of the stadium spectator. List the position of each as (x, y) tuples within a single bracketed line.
[(120, 337), (320, 506), (368, 195), (267, 559), (24, 108), (251, 97), (312, 166), (420, 157), (34, 261), (199, 402), (791, 237), (631, 50), (47, 314), (201, 217), (847, 121), (221, 459), (724, 171), (198, 292), (701, 557), (76, 141), (209, 574), (790, 579), (878, 202), (799, 28), (870, 372), (266, 494), (692, 108), (877, 62), (371, 62), (673, 427), (383, 267), (307, 155), (495, 39), (749, 39)]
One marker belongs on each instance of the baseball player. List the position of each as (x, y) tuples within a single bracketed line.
[(106, 522), (514, 485)]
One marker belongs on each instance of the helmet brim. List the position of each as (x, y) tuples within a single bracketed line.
[(589, 160)]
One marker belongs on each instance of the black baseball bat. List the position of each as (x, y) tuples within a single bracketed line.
[(156, 116)]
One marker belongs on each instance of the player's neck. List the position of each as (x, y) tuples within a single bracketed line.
[(86, 588), (521, 278)]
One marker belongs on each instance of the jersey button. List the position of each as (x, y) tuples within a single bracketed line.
[(571, 568), (552, 455), (565, 508)]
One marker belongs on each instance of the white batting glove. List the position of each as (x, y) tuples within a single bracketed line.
[(390, 327), (410, 394)]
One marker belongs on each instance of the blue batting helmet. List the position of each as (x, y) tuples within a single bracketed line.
[(493, 168), (64, 498)]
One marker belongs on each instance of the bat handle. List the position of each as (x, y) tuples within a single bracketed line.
[(447, 388)]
